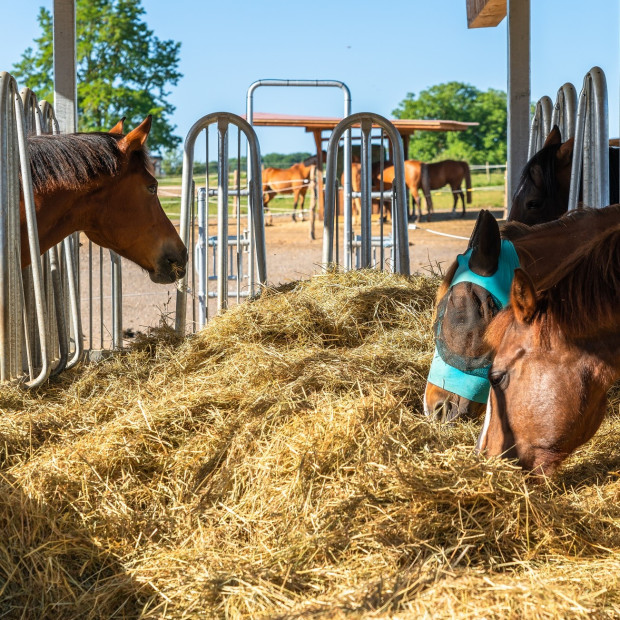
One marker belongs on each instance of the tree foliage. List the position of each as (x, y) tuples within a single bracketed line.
[(123, 69), (458, 102)]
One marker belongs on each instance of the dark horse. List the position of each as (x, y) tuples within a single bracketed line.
[(557, 350), (103, 184), (542, 193), (448, 172), (458, 384)]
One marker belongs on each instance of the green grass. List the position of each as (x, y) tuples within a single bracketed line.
[(488, 192)]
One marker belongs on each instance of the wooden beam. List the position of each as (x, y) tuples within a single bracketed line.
[(485, 13)]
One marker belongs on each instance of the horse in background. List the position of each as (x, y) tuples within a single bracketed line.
[(413, 181), (544, 186), (294, 180), (447, 172), (103, 184), (557, 350)]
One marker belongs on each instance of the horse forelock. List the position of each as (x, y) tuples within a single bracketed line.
[(74, 160), (545, 159)]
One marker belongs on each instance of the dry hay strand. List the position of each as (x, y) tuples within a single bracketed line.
[(277, 464)]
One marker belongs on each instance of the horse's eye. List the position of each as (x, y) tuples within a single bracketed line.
[(497, 377), (532, 204), (152, 188)]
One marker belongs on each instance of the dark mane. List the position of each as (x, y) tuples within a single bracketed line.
[(582, 293), (74, 160), (545, 159)]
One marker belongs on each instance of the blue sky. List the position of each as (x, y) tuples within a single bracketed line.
[(381, 50)]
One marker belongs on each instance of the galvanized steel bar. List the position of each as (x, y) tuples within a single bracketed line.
[(540, 126), (366, 201), (591, 148), (565, 111), (222, 214)]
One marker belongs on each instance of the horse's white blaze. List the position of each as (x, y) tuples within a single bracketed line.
[(485, 426)]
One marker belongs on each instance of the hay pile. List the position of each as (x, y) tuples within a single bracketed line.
[(278, 465)]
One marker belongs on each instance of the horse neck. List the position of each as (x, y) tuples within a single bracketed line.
[(59, 214), (542, 247)]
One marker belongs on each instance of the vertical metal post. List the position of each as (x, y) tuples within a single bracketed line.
[(222, 214), (366, 199), (201, 257), (65, 87), (117, 301), (518, 89)]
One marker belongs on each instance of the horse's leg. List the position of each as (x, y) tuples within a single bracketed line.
[(455, 198), (463, 201), (267, 196), (302, 193)]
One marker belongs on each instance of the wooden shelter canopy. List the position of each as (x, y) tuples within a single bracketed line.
[(404, 126)]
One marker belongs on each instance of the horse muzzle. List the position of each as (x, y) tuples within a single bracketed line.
[(171, 266)]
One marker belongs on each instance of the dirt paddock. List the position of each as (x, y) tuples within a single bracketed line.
[(291, 255)]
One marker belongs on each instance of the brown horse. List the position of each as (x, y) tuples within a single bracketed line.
[(465, 309), (447, 172), (293, 180), (413, 180), (103, 184), (542, 192), (557, 352)]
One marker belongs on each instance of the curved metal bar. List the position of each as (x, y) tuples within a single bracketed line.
[(540, 126), (255, 186), (348, 227), (591, 148), (399, 211), (565, 111)]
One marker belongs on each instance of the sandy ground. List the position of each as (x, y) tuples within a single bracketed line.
[(291, 255)]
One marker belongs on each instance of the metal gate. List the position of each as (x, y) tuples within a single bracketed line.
[(17, 343), (586, 119), (58, 264), (360, 249), (223, 257)]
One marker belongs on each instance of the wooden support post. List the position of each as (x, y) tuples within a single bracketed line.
[(319, 183)]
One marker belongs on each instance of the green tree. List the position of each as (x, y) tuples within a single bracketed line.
[(123, 69), (458, 102)]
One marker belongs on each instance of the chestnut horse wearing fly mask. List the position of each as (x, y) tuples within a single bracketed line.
[(557, 352), (103, 184), (465, 309)]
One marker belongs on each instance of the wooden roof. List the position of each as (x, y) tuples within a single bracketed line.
[(485, 13), (404, 126)]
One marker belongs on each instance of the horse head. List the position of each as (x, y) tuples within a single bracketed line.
[(474, 290), (129, 218), (549, 388), (542, 193)]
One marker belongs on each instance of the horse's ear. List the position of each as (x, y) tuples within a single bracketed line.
[(565, 152), (118, 128), (523, 296), (485, 243), (136, 138), (554, 137)]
